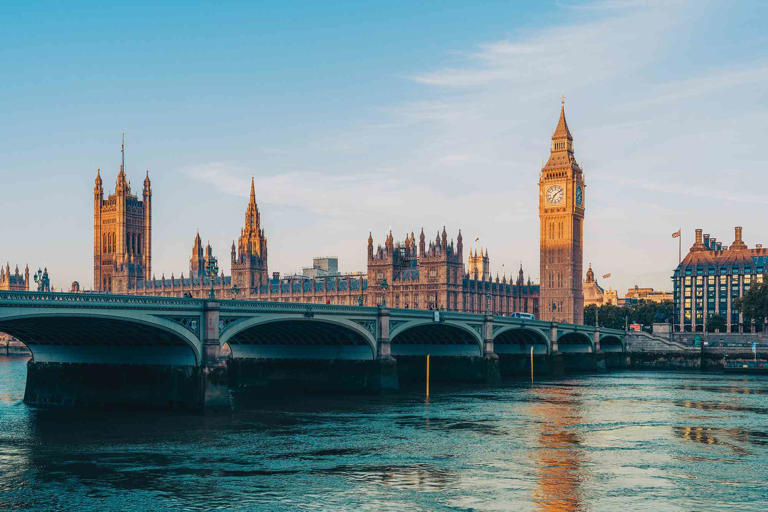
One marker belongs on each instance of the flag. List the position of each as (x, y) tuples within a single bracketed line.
[(676, 234), (606, 276)]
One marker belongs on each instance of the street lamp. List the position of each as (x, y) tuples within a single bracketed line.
[(360, 300), (487, 303), (235, 290), (213, 270), (384, 286)]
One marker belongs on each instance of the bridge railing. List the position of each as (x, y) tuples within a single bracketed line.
[(298, 307), (93, 299)]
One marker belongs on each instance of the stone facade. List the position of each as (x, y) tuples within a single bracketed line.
[(593, 292), (14, 281), (711, 278), (561, 215), (649, 294), (122, 234), (400, 275)]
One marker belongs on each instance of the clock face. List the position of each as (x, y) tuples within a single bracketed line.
[(555, 194), (579, 196)]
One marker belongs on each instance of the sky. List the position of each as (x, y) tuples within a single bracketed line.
[(357, 117)]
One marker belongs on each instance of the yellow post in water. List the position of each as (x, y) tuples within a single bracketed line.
[(427, 376), (531, 365)]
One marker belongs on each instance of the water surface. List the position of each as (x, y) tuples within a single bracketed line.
[(619, 441)]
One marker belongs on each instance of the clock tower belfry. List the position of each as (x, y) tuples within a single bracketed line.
[(561, 216)]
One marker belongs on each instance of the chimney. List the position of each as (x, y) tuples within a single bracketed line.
[(276, 275), (713, 243), (698, 237), (758, 246), (706, 240), (738, 243)]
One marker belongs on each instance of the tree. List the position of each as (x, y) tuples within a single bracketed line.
[(642, 312), (754, 303), (716, 322)]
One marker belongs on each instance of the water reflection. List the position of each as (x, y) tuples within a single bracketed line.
[(421, 477), (720, 406), (558, 457), (734, 438)]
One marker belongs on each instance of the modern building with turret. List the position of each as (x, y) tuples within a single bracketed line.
[(711, 278)]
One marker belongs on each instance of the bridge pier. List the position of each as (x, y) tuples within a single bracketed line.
[(491, 358), (110, 385), (385, 376), (214, 379)]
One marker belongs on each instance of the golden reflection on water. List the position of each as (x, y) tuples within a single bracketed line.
[(557, 457)]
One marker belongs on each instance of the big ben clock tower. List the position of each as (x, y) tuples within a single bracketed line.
[(561, 213)]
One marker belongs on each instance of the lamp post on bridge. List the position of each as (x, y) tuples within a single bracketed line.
[(213, 270), (487, 303), (235, 291)]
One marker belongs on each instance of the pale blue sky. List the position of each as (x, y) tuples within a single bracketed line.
[(358, 116)]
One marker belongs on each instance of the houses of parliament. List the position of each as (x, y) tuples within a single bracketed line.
[(418, 272)]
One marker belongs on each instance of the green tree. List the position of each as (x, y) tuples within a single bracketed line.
[(754, 303), (716, 322)]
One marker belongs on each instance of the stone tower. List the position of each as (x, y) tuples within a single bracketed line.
[(122, 234), (561, 215), (249, 261), (479, 265)]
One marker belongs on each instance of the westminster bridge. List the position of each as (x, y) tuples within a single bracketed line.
[(105, 349)]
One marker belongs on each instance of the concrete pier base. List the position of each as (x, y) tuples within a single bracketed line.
[(492, 370), (478, 369), (134, 386), (519, 365), (216, 394), (291, 375), (586, 362), (616, 360)]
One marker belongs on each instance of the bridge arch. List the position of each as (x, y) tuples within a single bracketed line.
[(298, 337), (611, 343), (575, 341), (102, 337), (447, 338), (518, 339)]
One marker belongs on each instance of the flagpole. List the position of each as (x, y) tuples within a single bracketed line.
[(680, 247)]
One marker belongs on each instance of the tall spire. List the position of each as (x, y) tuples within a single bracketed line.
[(122, 182), (562, 131), (253, 192)]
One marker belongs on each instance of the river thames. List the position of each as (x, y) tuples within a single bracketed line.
[(616, 441)]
